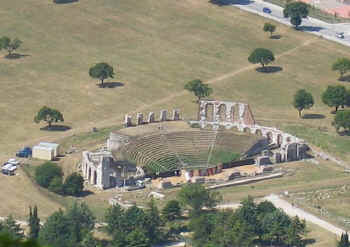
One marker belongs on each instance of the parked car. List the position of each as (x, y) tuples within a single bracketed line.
[(8, 169), (340, 35), (24, 153), (13, 162), (267, 10)]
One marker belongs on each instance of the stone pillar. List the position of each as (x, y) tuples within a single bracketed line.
[(151, 117), (216, 112), (163, 115), (139, 118), (202, 111), (278, 158), (127, 121), (176, 115)]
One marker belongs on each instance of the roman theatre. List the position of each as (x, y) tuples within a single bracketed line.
[(224, 135)]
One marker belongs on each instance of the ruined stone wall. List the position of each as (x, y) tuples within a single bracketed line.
[(151, 118)]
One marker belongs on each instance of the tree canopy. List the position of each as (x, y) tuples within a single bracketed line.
[(73, 184), (342, 120), (171, 210), (200, 89), (342, 65), (33, 223), (101, 71), (46, 172), (296, 11), (268, 27), (334, 96), (262, 56), (9, 45), (303, 100), (48, 115)]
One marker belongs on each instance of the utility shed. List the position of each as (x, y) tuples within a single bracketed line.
[(43, 153), (55, 146)]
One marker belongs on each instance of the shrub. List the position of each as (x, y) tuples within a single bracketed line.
[(73, 185), (56, 185), (46, 172)]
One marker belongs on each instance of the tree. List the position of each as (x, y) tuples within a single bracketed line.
[(6, 240), (344, 240), (268, 27), (89, 241), (73, 185), (342, 65), (56, 185), (342, 120), (34, 223), (334, 96), (137, 238), (171, 210), (46, 172), (200, 89), (196, 197), (262, 56), (48, 115), (114, 218), (9, 45), (153, 222), (101, 71), (303, 100), (12, 228), (295, 232), (297, 11)]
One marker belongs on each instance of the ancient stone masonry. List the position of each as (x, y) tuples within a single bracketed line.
[(163, 116), (239, 115)]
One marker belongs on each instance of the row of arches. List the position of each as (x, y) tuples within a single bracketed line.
[(90, 175), (222, 114), (276, 138)]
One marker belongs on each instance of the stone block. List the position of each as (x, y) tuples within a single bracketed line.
[(151, 118), (163, 115), (139, 118), (176, 115), (127, 121)]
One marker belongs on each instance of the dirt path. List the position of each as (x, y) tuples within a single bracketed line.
[(113, 120), (294, 211)]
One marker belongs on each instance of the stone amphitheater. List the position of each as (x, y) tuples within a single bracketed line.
[(220, 136)]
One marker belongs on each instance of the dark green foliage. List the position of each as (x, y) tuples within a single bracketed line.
[(89, 241), (171, 210), (199, 89), (303, 100), (46, 172), (342, 65), (296, 11), (101, 71), (195, 196), (56, 185), (6, 240), (262, 56), (67, 229), (73, 185), (9, 45), (153, 223), (137, 238), (33, 223), (268, 27), (12, 228), (344, 240), (114, 218), (335, 96), (48, 115), (342, 120)]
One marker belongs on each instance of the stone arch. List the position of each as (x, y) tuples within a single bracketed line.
[(269, 137), (279, 139), (222, 112), (258, 132), (95, 177), (209, 112), (235, 113)]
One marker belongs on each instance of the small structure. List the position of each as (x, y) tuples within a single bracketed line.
[(151, 118), (163, 115), (55, 146), (127, 121), (139, 118), (176, 115), (43, 152)]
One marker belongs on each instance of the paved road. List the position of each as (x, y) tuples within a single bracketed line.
[(310, 25), (294, 211)]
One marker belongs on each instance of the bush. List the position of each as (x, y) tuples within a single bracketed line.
[(73, 185), (56, 185), (46, 172), (172, 210)]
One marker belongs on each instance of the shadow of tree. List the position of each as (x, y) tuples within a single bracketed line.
[(308, 241), (230, 2), (269, 69), (277, 36), (111, 85), (64, 1), (344, 133), (313, 116), (85, 193), (310, 29), (16, 56), (345, 78), (56, 128)]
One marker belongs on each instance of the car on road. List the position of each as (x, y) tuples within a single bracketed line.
[(24, 153), (267, 10), (340, 35)]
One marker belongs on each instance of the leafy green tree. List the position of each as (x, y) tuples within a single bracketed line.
[(172, 210), (114, 218), (153, 223), (134, 218), (342, 120), (248, 213), (297, 11), (344, 240), (262, 56), (202, 227), (89, 241), (200, 89), (342, 65), (137, 238), (101, 71), (295, 232), (334, 96), (46, 172), (48, 115), (56, 185), (11, 227), (303, 100), (73, 185), (195, 196), (295, 20), (275, 226), (268, 27), (34, 223), (6, 240), (9, 45)]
